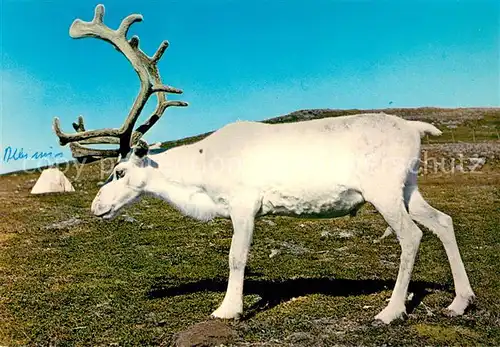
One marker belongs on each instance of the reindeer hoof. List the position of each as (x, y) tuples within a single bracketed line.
[(459, 305), (388, 315), (225, 314)]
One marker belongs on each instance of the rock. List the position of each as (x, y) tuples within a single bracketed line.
[(293, 248), (129, 219), (205, 334), (274, 252), (325, 234), (345, 234), (64, 224), (427, 309), (52, 180), (269, 222)]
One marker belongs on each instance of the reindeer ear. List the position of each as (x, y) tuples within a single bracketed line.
[(140, 149)]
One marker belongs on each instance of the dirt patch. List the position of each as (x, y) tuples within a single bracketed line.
[(205, 334)]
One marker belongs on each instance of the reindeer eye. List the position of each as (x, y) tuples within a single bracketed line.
[(119, 173)]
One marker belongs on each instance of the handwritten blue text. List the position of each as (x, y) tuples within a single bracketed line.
[(15, 154)]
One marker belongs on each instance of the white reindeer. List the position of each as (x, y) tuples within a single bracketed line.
[(318, 168), (323, 168)]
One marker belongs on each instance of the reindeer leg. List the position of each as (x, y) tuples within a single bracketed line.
[(243, 219), (409, 235), (442, 225)]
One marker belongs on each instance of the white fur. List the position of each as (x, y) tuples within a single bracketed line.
[(319, 168)]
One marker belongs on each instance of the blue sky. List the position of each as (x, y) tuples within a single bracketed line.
[(242, 60)]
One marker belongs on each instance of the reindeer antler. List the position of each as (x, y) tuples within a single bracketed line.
[(149, 76)]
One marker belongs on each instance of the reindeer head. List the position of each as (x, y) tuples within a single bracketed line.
[(131, 175), (126, 184)]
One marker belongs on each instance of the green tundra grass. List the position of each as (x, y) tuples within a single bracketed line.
[(150, 273)]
